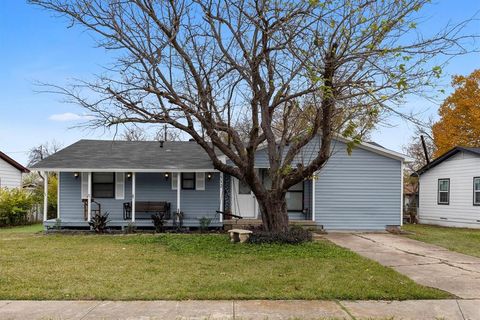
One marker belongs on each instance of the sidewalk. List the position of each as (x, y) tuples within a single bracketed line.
[(256, 309)]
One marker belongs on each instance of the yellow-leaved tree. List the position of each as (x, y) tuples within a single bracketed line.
[(459, 123)]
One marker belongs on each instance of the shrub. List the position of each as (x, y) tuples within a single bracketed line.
[(99, 222), (178, 221), (294, 235), (204, 223), (131, 227), (58, 224), (14, 206), (159, 221)]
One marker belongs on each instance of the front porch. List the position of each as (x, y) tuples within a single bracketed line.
[(132, 197)]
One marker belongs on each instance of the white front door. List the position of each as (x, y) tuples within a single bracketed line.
[(244, 203)]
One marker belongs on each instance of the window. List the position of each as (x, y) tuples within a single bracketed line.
[(103, 185), (443, 191), (188, 180), (267, 182), (476, 191), (295, 198), (243, 188)]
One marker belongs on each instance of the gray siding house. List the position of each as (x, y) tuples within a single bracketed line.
[(357, 191)]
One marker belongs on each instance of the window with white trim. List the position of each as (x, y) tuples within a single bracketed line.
[(103, 185), (476, 191), (188, 180), (443, 191)]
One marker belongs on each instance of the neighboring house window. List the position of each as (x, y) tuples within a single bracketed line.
[(476, 191), (188, 180), (443, 191), (103, 185)]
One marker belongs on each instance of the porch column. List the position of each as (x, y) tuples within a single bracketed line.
[(58, 195), (89, 197), (179, 177), (402, 168), (221, 196), (45, 195), (313, 196), (133, 196)]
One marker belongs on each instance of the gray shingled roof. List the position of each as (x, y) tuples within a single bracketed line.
[(128, 155)]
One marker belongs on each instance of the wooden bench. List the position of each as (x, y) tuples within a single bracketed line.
[(151, 207), (239, 235)]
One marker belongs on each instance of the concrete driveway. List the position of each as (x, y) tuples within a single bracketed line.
[(424, 263)]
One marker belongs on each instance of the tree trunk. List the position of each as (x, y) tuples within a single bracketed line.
[(273, 208)]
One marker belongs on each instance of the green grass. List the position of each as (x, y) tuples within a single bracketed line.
[(462, 240), (173, 266), (22, 229)]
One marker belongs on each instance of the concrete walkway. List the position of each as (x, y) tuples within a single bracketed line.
[(426, 264), (405, 310)]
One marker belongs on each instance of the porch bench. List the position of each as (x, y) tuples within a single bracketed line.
[(152, 207), (239, 235)]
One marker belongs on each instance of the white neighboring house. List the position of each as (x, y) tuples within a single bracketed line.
[(10, 172), (450, 189)]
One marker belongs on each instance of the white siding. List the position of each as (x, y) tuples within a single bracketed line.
[(10, 177), (460, 212)]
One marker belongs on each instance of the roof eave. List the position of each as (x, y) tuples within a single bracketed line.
[(58, 169), (13, 163), (442, 158)]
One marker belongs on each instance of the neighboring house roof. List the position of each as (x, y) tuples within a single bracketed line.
[(13, 163), (98, 155), (445, 156)]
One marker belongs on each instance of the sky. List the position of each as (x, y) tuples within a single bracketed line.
[(37, 47)]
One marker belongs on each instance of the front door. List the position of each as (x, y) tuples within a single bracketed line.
[(244, 203)]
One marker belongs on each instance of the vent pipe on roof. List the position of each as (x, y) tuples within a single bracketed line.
[(425, 149), (161, 144)]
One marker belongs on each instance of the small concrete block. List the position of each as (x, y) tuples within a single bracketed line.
[(239, 235)]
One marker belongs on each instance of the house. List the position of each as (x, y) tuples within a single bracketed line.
[(10, 172), (450, 189), (361, 191)]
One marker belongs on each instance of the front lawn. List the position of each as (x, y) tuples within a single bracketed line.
[(462, 240), (172, 266)]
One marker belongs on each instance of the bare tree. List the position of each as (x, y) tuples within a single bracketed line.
[(133, 134), (35, 155), (199, 64), (415, 148), (40, 152), (136, 133)]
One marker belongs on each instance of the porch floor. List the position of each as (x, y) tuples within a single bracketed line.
[(227, 224)]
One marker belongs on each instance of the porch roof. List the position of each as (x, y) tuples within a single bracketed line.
[(102, 155)]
